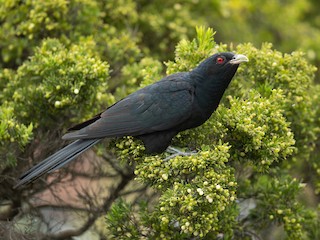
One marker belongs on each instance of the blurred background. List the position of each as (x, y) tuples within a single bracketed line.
[(50, 47)]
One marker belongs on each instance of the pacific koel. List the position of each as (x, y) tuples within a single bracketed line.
[(154, 114)]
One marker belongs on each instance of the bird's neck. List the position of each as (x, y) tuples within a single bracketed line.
[(209, 91)]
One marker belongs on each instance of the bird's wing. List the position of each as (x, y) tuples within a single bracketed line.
[(157, 107)]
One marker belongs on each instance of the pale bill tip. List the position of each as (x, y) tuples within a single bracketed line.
[(239, 58)]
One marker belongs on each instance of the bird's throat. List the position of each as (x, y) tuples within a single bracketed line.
[(209, 95)]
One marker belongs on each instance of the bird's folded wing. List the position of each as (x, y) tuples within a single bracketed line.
[(157, 107)]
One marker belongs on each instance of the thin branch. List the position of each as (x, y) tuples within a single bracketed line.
[(94, 215), (108, 158), (62, 207), (137, 190), (92, 176)]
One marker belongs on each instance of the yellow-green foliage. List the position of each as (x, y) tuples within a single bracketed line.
[(58, 82), (189, 53), (253, 121), (64, 61), (197, 190), (256, 124), (255, 128), (263, 21), (270, 69), (26, 24), (13, 136), (276, 196)]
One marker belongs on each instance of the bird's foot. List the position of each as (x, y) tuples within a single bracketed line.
[(176, 152)]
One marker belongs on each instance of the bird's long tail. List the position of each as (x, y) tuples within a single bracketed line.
[(57, 160)]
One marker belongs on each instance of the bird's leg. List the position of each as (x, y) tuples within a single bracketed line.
[(176, 152)]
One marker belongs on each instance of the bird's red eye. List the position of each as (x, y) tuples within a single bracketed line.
[(220, 60)]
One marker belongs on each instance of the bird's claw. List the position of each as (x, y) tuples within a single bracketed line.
[(176, 152)]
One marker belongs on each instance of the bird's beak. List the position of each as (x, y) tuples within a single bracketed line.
[(239, 58)]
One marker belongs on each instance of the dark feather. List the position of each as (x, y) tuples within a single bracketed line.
[(57, 160), (86, 123), (157, 107), (154, 114)]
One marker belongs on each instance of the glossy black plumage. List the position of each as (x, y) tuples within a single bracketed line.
[(154, 114)]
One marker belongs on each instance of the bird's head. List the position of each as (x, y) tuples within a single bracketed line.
[(212, 77), (220, 66)]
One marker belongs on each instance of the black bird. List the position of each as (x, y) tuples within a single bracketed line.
[(154, 114)]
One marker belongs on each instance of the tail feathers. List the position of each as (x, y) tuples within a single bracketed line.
[(57, 160)]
